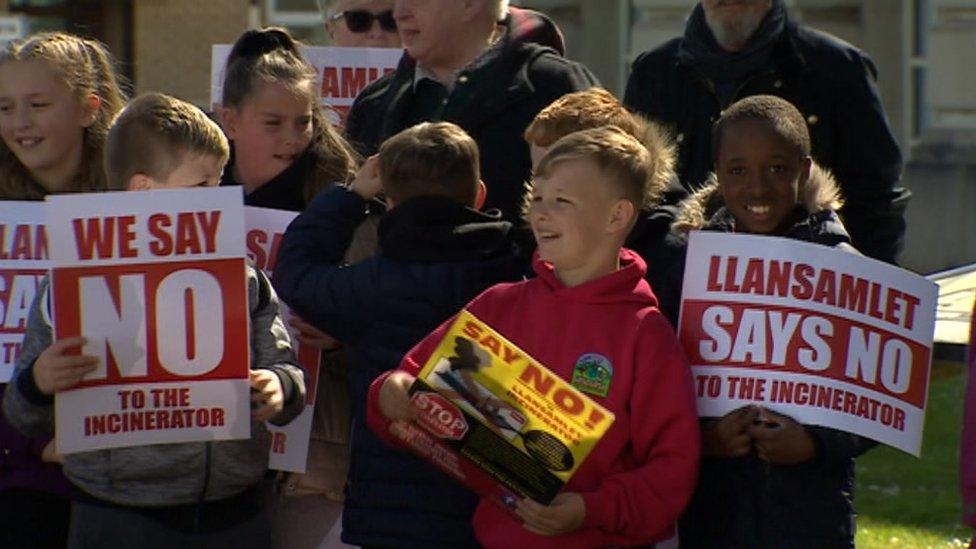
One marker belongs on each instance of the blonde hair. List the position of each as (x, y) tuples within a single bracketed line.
[(272, 55), (615, 153), (154, 134), (431, 158), (89, 70)]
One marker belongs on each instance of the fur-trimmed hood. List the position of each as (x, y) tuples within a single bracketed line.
[(820, 193)]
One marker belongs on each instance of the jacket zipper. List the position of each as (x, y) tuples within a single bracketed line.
[(206, 484)]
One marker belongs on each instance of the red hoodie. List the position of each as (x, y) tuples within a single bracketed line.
[(639, 477)]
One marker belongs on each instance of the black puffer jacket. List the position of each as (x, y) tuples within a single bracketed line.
[(494, 103), (746, 502), (830, 81), (435, 256)]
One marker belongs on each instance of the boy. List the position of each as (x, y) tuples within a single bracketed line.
[(589, 298), (766, 480), (166, 495), (597, 107), (436, 253)]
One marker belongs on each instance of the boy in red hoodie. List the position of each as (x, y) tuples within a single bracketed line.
[(590, 301)]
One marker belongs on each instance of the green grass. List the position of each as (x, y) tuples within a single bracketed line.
[(914, 503)]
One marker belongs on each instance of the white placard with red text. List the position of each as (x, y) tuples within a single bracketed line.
[(23, 263), (341, 73), (289, 443), (825, 336), (156, 281)]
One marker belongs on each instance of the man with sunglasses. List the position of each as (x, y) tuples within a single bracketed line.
[(360, 23), (479, 65)]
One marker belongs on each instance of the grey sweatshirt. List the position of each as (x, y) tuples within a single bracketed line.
[(165, 474)]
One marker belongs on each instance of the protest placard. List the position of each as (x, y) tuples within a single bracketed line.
[(289, 443), (23, 263), (341, 73), (496, 420), (156, 282), (823, 335)]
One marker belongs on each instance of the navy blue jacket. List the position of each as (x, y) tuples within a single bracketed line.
[(435, 256), (832, 83)]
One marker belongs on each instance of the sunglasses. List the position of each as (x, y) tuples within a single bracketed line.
[(362, 20)]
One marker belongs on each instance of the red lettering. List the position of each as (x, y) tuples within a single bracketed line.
[(92, 237), (255, 250), (541, 382), (163, 245), (713, 265), (353, 81)]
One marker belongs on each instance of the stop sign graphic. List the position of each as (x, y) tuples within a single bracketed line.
[(439, 416)]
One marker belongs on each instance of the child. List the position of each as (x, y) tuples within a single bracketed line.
[(766, 480), (597, 107), (204, 494), (590, 297), (284, 149), (436, 253), (284, 153), (58, 95)]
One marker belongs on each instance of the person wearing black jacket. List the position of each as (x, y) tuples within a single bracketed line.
[(733, 51), (462, 66), (437, 252)]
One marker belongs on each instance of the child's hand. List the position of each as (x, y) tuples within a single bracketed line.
[(50, 453), (367, 182), (312, 336), (782, 441), (395, 397), (564, 515), (56, 371), (729, 436), (266, 394)]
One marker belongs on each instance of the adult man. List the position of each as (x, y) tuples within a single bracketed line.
[(465, 67), (737, 48), (360, 23)]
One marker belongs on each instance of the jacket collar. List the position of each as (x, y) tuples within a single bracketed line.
[(502, 84), (434, 229), (705, 208)]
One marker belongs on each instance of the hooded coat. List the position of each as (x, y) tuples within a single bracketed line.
[(746, 502)]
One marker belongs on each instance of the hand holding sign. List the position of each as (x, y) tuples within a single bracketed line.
[(55, 370), (394, 398), (780, 440), (564, 515), (728, 437), (266, 394)]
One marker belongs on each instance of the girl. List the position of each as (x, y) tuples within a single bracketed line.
[(284, 150), (766, 480), (283, 153), (58, 96)]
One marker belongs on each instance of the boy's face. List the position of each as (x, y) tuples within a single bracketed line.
[(760, 174), (575, 215), (193, 171)]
